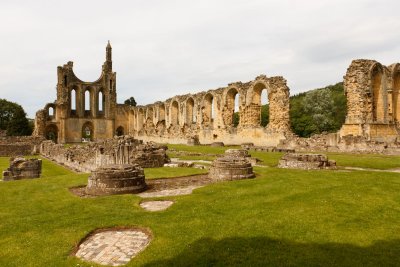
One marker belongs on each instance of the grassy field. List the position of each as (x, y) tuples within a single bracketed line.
[(280, 218)]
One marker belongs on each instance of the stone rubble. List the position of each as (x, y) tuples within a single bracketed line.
[(21, 168)]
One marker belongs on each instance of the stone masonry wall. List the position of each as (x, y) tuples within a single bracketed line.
[(11, 146), (208, 116), (120, 150)]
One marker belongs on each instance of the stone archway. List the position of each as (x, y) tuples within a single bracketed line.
[(87, 132), (51, 133), (119, 131)]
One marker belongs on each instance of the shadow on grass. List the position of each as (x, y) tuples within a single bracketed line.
[(263, 251)]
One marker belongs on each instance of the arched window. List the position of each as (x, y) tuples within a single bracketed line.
[(260, 99), (161, 114), (87, 101), (190, 111), (175, 113), (73, 99), (87, 132), (232, 104), (51, 112), (119, 131), (101, 102), (264, 108), (378, 111), (208, 110)]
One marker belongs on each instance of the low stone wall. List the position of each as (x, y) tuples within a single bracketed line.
[(88, 157), (306, 161), (11, 146), (334, 143)]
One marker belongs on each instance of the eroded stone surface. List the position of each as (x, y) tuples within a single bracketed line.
[(234, 165), (21, 168), (306, 161), (116, 179), (113, 247), (156, 205), (117, 150)]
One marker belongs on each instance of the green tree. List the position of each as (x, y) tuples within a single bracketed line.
[(130, 101), (317, 111), (264, 115), (13, 119)]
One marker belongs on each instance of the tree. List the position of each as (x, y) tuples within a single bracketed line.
[(317, 111), (131, 101), (13, 119)]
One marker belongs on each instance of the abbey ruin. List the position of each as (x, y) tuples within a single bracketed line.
[(88, 111)]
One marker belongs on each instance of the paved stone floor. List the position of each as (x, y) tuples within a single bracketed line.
[(114, 248), (170, 192), (156, 205)]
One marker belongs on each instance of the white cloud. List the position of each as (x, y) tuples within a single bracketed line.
[(163, 48)]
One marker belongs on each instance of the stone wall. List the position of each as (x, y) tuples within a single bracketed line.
[(11, 146), (373, 102), (333, 142), (119, 150), (208, 116)]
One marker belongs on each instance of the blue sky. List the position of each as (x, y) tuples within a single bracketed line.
[(165, 48)]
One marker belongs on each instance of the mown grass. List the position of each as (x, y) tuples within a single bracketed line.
[(371, 161), (167, 172), (280, 218)]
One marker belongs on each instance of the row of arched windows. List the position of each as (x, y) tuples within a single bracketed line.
[(87, 107), (208, 112)]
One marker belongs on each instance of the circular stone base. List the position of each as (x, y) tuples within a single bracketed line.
[(113, 247), (116, 179), (232, 166), (156, 205)]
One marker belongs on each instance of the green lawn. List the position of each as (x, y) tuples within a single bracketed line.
[(167, 172), (280, 218)]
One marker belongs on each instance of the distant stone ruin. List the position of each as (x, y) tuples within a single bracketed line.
[(116, 179), (306, 162), (119, 150), (373, 101), (21, 168), (233, 165), (88, 111)]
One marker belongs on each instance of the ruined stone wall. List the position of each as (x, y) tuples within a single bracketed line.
[(372, 101), (208, 116), (333, 142), (11, 146), (82, 110), (119, 150)]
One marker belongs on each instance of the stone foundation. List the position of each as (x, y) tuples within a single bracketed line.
[(119, 150), (116, 179), (306, 161), (232, 166), (21, 168)]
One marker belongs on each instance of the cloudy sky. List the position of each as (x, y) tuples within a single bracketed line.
[(162, 48)]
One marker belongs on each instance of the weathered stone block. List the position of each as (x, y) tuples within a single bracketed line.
[(21, 168), (116, 179), (306, 161), (232, 166)]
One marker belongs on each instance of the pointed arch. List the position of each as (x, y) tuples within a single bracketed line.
[(174, 111), (378, 109), (190, 115)]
